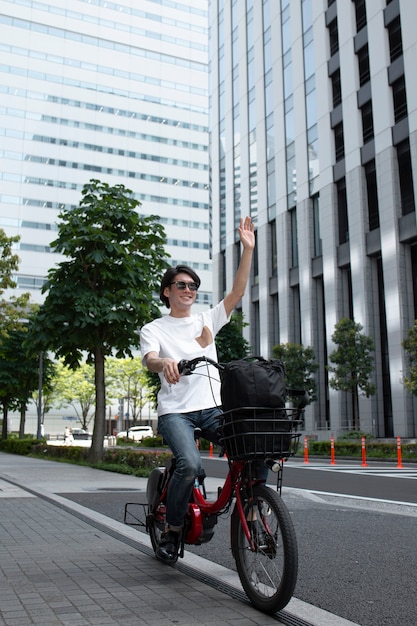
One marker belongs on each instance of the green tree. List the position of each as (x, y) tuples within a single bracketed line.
[(76, 388), (13, 312), (103, 292), (410, 346), (230, 343), (125, 378), (353, 363), (9, 262), (19, 377), (300, 366)]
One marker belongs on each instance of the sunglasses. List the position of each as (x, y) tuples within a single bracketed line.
[(181, 285)]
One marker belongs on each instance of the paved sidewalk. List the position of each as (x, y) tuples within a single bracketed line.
[(64, 564)]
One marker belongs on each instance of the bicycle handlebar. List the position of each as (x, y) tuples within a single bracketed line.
[(186, 368)]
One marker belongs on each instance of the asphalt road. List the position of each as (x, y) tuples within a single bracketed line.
[(356, 529)]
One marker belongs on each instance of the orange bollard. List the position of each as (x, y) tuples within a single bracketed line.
[(364, 463), (306, 450), (211, 448), (332, 460), (399, 461)]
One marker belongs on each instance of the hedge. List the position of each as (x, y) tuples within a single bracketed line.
[(124, 460)]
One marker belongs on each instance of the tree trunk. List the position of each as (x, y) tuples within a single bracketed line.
[(355, 398), (4, 428), (22, 421), (96, 450)]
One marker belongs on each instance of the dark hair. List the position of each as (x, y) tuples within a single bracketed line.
[(169, 277)]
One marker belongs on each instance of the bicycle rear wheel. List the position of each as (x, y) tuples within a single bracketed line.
[(267, 570)]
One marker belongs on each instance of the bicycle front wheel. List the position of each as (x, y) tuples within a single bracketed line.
[(268, 565)]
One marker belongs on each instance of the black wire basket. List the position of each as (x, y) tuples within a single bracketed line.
[(255, 433)]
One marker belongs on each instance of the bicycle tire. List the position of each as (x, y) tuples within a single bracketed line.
[(155, 520), (269, 572)]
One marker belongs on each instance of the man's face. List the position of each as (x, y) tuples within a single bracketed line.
[(180, 293)]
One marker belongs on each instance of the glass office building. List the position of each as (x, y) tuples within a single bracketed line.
[(313, 132), (115, 91)]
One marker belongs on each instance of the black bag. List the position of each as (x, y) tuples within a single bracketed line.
[(262, 430), (253, 382)]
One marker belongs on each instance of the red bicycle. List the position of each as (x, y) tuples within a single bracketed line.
[(263, 539)]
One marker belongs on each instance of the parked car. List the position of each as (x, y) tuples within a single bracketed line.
[(80, 433), (136, 433)]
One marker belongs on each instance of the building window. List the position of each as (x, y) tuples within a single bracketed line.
[(255, 264), (294, 238), (222, 278), (342, 212), (339, 142), (275, 320), (399, 98), (405, 172), (333, 37), (360, 14), (413, 251), (336, 88), (296, 314), (255, 328), (395, 39), (363, 65), (367, 122), (372, 195), (316, 226), (274, 248)]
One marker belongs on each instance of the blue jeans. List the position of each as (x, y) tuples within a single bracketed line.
[(178, 431)]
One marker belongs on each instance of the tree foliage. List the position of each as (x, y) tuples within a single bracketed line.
[(125, 378), (15, 370), (230, 343), (19, 377), (13, 312), (76, 388), (353, 363), (9, 262), (410, 346), (102, 293), (300, 366)]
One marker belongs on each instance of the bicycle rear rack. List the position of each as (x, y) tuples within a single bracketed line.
[(131, 517)]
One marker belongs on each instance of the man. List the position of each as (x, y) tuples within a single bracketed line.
[(187, 402)]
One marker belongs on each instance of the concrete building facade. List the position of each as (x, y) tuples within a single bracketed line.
[(313, 132), (115, 91)]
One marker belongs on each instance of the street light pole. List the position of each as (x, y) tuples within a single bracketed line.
[(39, 431), (129, 378), (128, 403)]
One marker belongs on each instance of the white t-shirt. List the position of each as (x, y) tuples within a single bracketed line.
[(186, 338)]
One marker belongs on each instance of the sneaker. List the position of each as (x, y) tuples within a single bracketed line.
[(167, 551)]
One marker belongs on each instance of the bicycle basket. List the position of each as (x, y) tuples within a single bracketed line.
[(249, 433)]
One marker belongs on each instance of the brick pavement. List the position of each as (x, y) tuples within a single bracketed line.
[(64, 564), (58, 569)]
